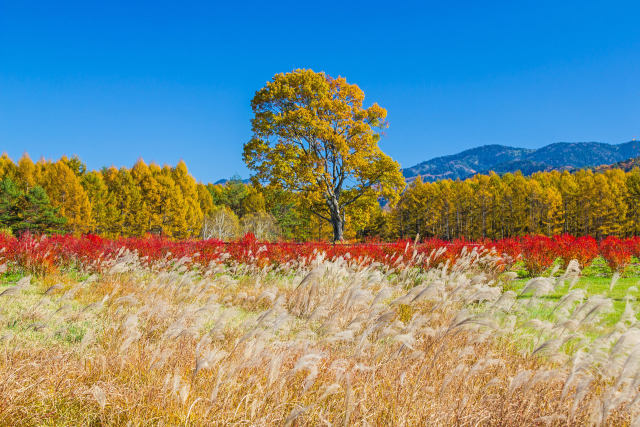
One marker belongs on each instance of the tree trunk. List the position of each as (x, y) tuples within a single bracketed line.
[(338, 228), (337, 220)]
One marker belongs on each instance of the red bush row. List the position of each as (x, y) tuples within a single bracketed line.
[(42, 254), (539, 252)]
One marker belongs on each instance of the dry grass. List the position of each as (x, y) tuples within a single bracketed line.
[(331, 343)]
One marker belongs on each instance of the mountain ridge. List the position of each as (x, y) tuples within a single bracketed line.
[(503, 159)]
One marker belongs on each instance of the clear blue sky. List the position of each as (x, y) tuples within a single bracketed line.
[(115, 81)]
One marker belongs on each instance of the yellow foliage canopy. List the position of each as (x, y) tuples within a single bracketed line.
[(313, 136)]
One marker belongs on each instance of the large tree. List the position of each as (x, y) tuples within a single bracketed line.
[(313, 136)]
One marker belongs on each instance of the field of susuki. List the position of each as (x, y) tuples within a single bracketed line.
[(522, 331)]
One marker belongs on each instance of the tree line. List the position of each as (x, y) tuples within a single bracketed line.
[(63, 196), (492, 206)]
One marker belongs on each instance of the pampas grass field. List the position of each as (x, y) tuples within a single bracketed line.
[(332, 342)]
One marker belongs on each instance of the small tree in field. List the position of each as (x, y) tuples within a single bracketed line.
[(222, 224), (313, 136), (261, 224)]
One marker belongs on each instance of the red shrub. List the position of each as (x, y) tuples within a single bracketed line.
[(583, 249), (633, 244), (616, 252), (538, 253), (510, 247)]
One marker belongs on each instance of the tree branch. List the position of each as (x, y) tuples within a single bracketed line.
[(361, 192), (318, 215)]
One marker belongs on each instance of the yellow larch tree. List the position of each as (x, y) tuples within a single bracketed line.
[(100, 200), (585, 202), (8, 169), (128, 216), (633, 201), (568, 187), (173, 213), (614, 208), (188, 187), (151, 196), (26, 172), (66, 193), (483, 202), (205, 199)]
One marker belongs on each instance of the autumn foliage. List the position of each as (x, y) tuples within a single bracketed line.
[(45, 254), (583, 249), (616, 252), (168, 201), (313, 136)]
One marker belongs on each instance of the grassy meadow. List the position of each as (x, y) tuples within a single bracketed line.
[(335, 341)]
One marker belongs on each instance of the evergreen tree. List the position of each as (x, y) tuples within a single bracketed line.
[(295, 224), (28, 210), (231, 194), (9, 195)]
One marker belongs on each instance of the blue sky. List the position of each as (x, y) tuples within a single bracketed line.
[(165, 81)]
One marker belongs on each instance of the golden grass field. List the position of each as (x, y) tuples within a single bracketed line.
[(331, 343)]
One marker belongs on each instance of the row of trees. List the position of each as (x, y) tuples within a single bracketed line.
[(62, 196), (56, 196), (115, 201), (493, 206)]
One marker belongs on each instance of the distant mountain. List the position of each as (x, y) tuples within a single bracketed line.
[(502, 159), (225, 181)]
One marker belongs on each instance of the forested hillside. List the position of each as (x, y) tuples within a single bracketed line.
[(626, 165)]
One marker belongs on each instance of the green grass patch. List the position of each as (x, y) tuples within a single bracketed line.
[(33, 318), (593, 285), (10, 278)]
